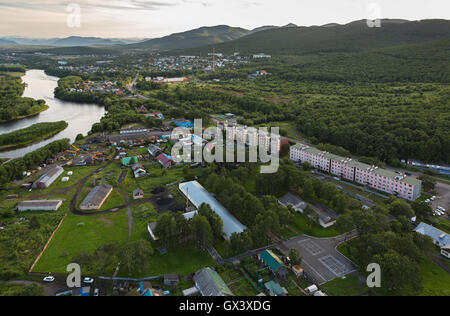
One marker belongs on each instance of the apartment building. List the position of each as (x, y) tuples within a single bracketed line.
[(405, 187), (251, 136)]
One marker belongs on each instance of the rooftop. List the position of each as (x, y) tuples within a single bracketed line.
[(210, 283), (97, 195), (435, 234), (39, 203), (271, 260), (356, 164), (198, 195)]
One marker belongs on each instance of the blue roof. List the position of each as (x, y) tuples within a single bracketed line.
[(437, 235), (198, 196)]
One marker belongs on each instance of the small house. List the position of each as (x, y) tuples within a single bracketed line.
[(271, 260), (171, 279), (138, 194)]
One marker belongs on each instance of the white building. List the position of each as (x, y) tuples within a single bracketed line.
[(39, 205)]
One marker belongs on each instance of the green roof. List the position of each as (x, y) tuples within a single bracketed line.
[(271, 260), (129, 160), (219, 282)]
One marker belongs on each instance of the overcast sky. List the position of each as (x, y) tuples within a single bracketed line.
[(155, 18)]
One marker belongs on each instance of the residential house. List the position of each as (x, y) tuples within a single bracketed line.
[(294, 201), (209, 283), (171, 279), (138, 194), (165, 160), (138, 170), (154, 150), (275, 289), (271, 260)]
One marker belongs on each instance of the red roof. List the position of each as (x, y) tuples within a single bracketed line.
[(163, 159)]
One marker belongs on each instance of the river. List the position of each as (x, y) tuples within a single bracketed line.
[(80, 116)]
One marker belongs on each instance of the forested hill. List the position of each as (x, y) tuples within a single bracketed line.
[(352, 37), (194, 38), (425, 62)]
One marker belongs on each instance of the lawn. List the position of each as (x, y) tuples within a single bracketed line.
[(300, 225), (183, 260), (243, 288), (435, 280), (349, 286), (78, 234)]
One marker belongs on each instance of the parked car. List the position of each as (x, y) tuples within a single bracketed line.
[(49, 279), (88, 280), (96, 292)]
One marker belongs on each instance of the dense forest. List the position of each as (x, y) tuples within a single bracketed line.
[(12, 105), (31, 134)]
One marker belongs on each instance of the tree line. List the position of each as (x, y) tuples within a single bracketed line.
[(15, 168), (32, 133)]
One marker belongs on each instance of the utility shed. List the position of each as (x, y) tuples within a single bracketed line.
[(39, 205), (198, 195), (209, 283)]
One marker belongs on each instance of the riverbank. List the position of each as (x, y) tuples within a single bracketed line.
[(79, 116), (31, 135), (43, 109)]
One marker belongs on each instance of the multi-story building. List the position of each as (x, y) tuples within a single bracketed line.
[(408, 188)]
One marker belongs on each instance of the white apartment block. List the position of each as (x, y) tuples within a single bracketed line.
[(405, 187)]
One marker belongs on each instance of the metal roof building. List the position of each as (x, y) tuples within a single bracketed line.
[(96, 197), (209, 283), (39, 205), (48, 178), (198, 195), (439, 237)]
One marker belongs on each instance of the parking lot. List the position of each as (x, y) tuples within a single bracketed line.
[(443, 199), (321, 260)]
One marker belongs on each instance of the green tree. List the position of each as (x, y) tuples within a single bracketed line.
[(135, 255)]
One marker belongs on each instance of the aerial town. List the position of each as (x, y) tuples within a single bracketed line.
[(227, 162)]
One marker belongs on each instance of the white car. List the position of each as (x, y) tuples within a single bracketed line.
[(96, 292), (49, 279), (88, 280), (427, 201)]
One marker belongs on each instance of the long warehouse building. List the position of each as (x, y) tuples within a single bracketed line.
[(408, 188), (198, 195), (39, 205), (48, 178)]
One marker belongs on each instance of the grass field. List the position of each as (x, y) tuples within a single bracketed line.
[(79, 234), (300, 225), (435, 280), (183, 260), (349, 286)]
